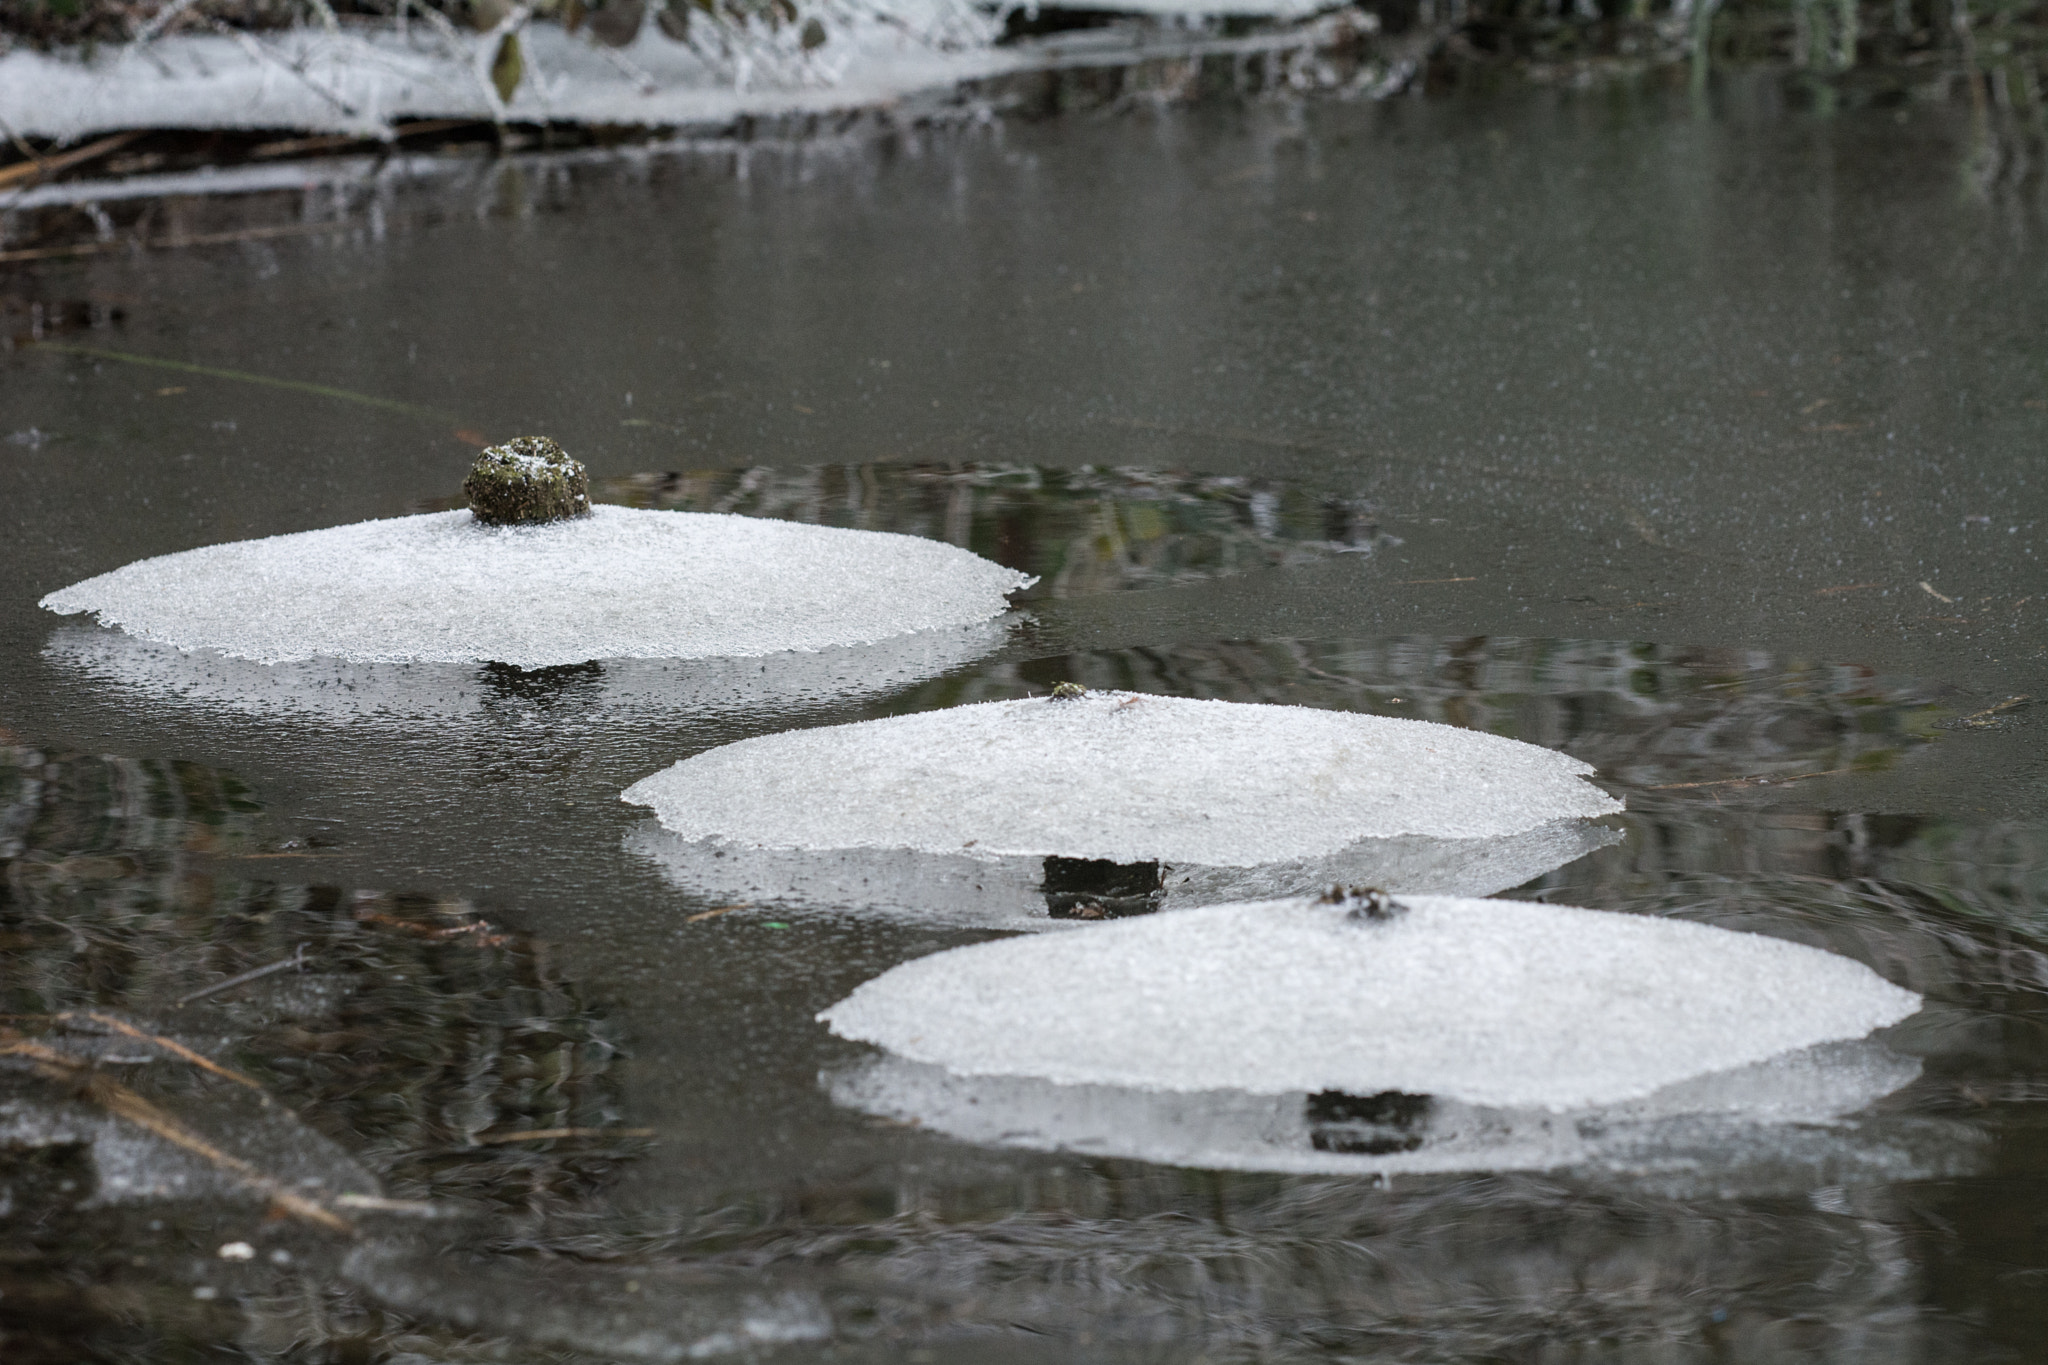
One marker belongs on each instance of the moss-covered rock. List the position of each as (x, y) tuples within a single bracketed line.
[(528, 479)]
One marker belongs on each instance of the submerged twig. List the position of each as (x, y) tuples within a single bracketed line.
[(123, 1103), (170, 1045), (297, 959), (1762, 780), (297, 385)]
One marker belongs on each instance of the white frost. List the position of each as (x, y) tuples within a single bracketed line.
[(617, 584), (1121, 776), (1505, 1004)]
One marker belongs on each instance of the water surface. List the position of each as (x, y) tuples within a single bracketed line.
[(1699, 440)]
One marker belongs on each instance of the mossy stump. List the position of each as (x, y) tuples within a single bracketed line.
[(528, 479)]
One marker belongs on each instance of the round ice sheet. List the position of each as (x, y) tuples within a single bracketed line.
[(1122, 776), (1500, 1003), (617, 584)]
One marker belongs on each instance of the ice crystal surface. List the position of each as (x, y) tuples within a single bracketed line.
[(1505, 1004), (1120, 776), (617, 584)]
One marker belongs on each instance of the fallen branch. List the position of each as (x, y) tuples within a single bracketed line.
[(33, 171)]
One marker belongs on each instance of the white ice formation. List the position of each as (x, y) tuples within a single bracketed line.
[(958, 890), (617, 584), (1120, 776), (1500, 1004)]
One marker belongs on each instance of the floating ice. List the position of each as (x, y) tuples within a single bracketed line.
[(1750, 1119), (617, 584), (342, 692), (959, 890), (1503, 1004), (1119, 776)]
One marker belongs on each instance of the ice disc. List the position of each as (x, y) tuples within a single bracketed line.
[(1506, 1004), (616, 584), (1119, 776)]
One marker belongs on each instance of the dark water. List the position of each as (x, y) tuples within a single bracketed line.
[(1701, 442)]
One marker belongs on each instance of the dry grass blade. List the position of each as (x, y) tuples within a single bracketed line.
[(1765, 780), (120, 1101), (175, 1048), (1978, 717)]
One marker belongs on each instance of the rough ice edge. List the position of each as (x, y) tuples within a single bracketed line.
[(1502, 1004), (1122, 776), (340, 692), (1741, 1117), (960, 891), (623, 583)]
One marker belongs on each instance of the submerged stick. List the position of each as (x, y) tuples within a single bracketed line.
[(170, 1045), (296, 385), (120, 1101), (297, 959)]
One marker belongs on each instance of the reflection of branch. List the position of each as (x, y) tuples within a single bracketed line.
[(120, 1101)]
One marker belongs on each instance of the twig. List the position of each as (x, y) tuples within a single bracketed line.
[(120, 1101), (264, 54), (1928, 588), (300, 386), (22, 146), (297, 959), (50, 165), (703, 915), (172, 1046), (1977, 717), (158, 22), (1760, 781)]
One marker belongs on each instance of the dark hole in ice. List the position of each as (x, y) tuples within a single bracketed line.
[(1096, 888), (1367, 1125), (506, 682)]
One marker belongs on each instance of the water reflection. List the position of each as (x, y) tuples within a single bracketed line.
[(420, 1038), (1041, 893), (1104, 1259), (1650, 717), (1778, 1125), (410, 1030), (1085, 530)]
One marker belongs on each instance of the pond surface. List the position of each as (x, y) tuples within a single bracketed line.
[(1701, 441)]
